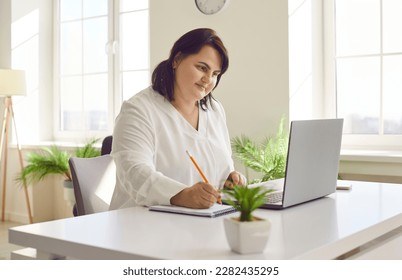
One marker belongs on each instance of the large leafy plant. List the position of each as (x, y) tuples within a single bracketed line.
[(268, 158), (246, 200), (53, 160)]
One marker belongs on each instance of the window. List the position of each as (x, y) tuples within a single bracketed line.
[(366, 69), (103, 58)]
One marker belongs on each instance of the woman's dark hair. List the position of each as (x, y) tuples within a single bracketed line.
[(188, 44)]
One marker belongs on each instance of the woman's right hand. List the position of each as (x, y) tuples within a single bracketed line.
[(199, 196)]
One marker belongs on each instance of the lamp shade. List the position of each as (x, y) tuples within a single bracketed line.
[(12, 82)]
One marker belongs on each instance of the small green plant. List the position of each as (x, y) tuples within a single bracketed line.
[(53, 160), (268, 158), (88, 150), (246, 200)]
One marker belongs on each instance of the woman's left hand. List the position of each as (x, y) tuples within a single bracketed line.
[(235, 178)]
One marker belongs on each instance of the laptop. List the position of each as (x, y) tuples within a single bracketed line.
[(312, 164)]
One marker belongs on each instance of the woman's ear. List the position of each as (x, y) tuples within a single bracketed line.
[(176, 61)]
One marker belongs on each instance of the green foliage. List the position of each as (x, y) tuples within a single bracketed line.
[(48, 161), (246, 200), (269, 157), (53, 160), (88, 150)]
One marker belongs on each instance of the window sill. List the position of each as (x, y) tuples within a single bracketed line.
[(371, 165), (383, 156), (41, 144)]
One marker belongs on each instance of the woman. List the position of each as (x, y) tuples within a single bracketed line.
[(158, 125)]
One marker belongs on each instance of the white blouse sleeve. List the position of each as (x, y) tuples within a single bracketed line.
[(133, 152)]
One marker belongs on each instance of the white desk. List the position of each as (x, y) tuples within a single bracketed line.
[(323, 229)]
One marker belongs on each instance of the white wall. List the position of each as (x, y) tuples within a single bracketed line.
[(5, 33), (32, 51), (5, 50)]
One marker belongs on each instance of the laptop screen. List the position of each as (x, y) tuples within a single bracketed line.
[(313, 160)]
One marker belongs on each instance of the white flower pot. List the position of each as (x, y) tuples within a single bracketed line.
[(68, 191), (247, 237)]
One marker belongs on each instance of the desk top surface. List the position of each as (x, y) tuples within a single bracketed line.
[(322, 229)]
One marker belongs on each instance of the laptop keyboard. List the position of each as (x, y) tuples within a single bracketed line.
[(276, 185), (274, 197)]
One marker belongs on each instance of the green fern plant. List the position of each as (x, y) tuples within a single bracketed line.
[(246, 200), (268, 158), (53, 160), (88, 150)]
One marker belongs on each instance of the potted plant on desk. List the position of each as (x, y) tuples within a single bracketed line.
[(246, 234)]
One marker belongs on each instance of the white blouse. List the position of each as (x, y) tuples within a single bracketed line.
[(150, 140)]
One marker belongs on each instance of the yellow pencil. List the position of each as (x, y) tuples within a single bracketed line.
[(198, 168), (200, 171)]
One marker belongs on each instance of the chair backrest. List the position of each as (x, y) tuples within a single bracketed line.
[(107, 145), (93, 180)]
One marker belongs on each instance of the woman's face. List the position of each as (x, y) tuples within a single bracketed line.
[(196, 75)]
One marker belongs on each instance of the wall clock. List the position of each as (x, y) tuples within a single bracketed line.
[(210, 7)]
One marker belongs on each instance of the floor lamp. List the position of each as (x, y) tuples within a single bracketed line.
[(12, 83)]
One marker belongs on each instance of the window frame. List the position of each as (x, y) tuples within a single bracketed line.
[(386, 142), (115, 94)]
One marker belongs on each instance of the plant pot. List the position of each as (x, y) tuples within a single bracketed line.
[(68, 192), (247, 237)]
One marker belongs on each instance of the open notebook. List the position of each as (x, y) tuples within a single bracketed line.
[(212, 212)]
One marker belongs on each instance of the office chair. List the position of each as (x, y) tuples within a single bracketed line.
[(93, 180), (106, 148), (107, 145)]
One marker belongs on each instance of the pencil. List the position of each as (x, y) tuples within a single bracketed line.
[(200, 171), (198, 168)]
